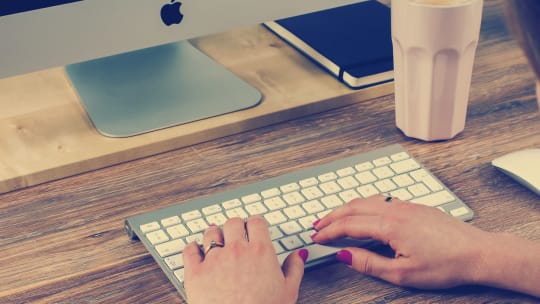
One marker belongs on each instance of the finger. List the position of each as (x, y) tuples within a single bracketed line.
[(257, 229), (356, 226), (192, 257), (212, 233), (293, 268), (368, 262), (359, 206), (234, 230)]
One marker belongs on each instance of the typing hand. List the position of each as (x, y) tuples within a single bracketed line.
[(240, 269), (432, 249)]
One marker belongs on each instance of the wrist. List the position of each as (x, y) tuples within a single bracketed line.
[(482, 258)]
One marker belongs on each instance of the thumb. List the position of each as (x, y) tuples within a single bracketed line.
[(367, 262), (293, 268)]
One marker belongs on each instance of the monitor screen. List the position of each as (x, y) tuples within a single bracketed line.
[(142, 35)]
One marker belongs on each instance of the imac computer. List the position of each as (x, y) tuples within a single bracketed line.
[(129, 60)]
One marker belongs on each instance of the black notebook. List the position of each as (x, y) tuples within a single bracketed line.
[(353, 42)]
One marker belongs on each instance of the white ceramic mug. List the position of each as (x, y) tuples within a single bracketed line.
[(434, 46)]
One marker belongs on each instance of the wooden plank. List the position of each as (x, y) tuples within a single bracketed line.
[(45, 134)]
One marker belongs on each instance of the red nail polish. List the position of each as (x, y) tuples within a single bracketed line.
[(303, 253), (314, 235), (316, 222), (344, 256)]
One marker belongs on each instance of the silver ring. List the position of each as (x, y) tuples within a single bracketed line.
[(213, 244)]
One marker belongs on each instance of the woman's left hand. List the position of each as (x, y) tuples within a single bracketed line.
[(244, 270)]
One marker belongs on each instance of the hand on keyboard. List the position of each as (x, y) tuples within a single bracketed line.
[(243, 270), (433, 250)]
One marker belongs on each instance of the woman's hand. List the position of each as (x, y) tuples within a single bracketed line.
[(432, 249), (244, 270)]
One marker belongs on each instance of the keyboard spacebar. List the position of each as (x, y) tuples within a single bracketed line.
[(317, 251)]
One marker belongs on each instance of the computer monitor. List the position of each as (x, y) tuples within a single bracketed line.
[(130, 61)]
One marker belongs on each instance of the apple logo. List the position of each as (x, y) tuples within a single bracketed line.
[(170, 13)]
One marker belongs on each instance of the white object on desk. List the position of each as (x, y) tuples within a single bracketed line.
[(523, 166)]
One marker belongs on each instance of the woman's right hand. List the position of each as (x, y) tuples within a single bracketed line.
[(432, 249)]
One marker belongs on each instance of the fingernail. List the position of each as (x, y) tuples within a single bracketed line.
[(212, 225), (316, 222), (344, 256), (314, 235), (303, 253)]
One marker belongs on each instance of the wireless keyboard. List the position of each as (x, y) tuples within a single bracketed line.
[(291, 203)]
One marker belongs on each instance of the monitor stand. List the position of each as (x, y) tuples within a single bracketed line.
[(159, 87)]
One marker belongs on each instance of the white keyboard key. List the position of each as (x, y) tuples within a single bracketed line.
[(403, 180), (459, 211), (294, 212), (237, 212), (156, 237), (327, 177), (232, 204), (291, 227), (149, 227), (197, 238), (346, 172), (331, 201), (313, 207), (291, 242), (277, 247), (330, 187), (191, 215), (216, 219), (402, 194), (289, 187), (174, 262), (274, 203), (274, 218), (270, 193), (307, 221), (294, 198), (252, 198), (256, 208), (312, 193), (382, 161), (179, 274), (306, 236), (323, 213), (349, 195), (399, 156), (418, 189), (385, 185), (405, 166), (435, 199), (177, 231), (364, 166), (422, 176), (367, 191), (383, 172), (365, 177), (308, 182), (170, 248), (419, 175), (197, 225), (348, 182), (211, 209), (170, 221), (275, 233)]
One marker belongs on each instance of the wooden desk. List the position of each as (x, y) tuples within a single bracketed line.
[(63, 241)]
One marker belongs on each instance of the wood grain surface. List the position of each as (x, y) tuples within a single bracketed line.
[(63, 241)]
